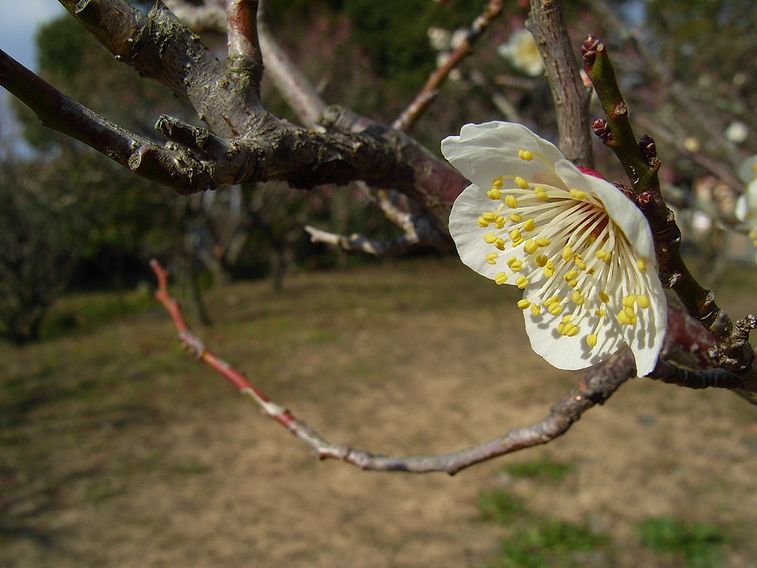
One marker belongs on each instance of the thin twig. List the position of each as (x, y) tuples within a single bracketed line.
[(430, 89), (598, 385)]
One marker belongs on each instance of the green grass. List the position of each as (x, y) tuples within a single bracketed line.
[(499, 506), (540, 470), (699, 545), (549, 543)]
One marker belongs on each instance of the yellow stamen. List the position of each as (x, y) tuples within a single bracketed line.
[(489, 216), (603, 297), (526, 155), (489, 238), (511, 201), (498, 182), (628, 300), (521, 282), (641, 263), (491, 258), (642, 301), (591, 340), (549, 269), (555, 309), (482, 222), (567, 253), (521, 183), (523, 304), (530, 246), (571, 275), (553, 300), (541, 194), (500, 222), (515, 218), (542, 242), (500, 243), (529, 225), (577, 194), (500, 278), (541, 259), (494, 194), (577, 297), (535, 309)]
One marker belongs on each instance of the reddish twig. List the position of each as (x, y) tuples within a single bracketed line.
[(430, 89), (598, 385), (244, 48)]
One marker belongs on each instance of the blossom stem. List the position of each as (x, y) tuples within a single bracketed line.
[(641, 164)]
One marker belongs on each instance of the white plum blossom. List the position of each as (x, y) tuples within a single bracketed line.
[(522, 53), (746, 204), (579, 249), (737, 132)]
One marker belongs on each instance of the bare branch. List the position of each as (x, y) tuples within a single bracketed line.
[(428, 92), (598, 385), (245, 57), (571, 98)]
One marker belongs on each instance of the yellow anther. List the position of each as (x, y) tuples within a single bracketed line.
[(553, 300), (600, 313), (535, 309), (604, 255), (500, 222), (521, 183), (541, 259), (577, 194), (572, 331), (521, 282), (603, 297), (642, 301), (511, 201), (555, 309), (566, 319), (530, 246), (577, 297), (500, 278), (542, 242), (591, 340), (541, 194), (567, 253), (628, 300), (515, 235), (491, 258), (628, 310), (642, 264), (523, 304), (482, 222), (572, 283), (500, 244), (529, 225), (571, 275), (549, 269), (494, 194), (511, 261), (489, 238), (498, 182), (623, 318), (489, 216), (580, 264), (515, 218), (526, 155)]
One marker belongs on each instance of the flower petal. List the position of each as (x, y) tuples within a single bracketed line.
[(485, 151), (467, 235)]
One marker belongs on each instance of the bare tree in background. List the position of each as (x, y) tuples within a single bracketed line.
[(244, 143)]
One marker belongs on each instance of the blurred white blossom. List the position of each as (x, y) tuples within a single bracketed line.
[(737, 132), (522, 53)]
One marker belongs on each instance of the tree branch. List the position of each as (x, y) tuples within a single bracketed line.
[(598, 384), (245, 57), (641, 164), (571, 98), (428, 92)]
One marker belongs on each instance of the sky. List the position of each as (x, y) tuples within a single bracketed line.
[(17, 31)]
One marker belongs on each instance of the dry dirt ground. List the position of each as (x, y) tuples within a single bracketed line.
[(116, 449)]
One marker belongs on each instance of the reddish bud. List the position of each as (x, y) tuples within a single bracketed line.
[(602, 130), (589, 49)]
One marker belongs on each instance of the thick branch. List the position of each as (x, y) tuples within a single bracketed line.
[(571, 98), (598, 385)]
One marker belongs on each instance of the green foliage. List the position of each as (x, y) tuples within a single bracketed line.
[(544, 470), (699, 544)]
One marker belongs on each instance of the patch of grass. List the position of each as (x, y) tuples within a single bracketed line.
[(499, 506), (698, 544), (543, 470), (549, 543)]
